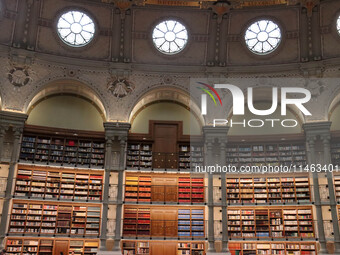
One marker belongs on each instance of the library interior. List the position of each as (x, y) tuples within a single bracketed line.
[(100, 133)]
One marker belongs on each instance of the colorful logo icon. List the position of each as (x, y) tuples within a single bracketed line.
[(209, 93)]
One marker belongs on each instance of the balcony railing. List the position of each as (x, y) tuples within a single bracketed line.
[(160, 160)]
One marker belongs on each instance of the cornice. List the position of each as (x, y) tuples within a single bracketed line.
[(48, 59)]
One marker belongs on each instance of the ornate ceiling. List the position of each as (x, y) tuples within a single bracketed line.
[(236, 4)]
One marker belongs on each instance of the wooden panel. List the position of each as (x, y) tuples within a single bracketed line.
[(165, 138), (157, 190), (61, 248), (171, 189), (157, 222), (170, 248), (170, 217), (164, 189), (157, 248)]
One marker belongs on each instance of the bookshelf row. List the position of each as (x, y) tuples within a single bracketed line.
[(63, 150), (47, 246), (337, 187), (141, 155), (171, 248), (266, 154), (48, 183), (155, 188), (268, 190), (271, 222), (335, 152), (175, 222), (271, 248), (48, 218)]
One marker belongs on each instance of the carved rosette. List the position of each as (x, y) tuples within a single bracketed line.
[(19, 76)]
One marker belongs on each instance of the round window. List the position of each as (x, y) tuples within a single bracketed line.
[(170, 37), (263, 37), (76, 28)]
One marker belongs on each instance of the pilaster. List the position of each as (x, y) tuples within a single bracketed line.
[(314, 132), (116, 135), (215, 142), (10, 122)]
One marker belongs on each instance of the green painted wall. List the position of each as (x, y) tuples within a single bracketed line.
[(266, 129), (168, 112), (68, 112), (335, 117)]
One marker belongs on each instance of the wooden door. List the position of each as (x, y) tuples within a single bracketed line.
[(61, 248), (165, 146), (157, 222), (157, 189), (171, 189), (170, 218)]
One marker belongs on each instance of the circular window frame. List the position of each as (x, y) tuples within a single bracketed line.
[(334, 25), (274, 52), (154, 47), (67, 45)]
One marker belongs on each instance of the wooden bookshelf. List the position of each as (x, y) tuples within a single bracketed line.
[(335, 152), (54, 183), (179, 248), (246, 154), (337, 187), (146, 221), (190, 156), (139, 155), (280, 248), (60, 146), (271, 222), (50, 218), (190, 222), (273, 190), (45, 246), (186, 189)]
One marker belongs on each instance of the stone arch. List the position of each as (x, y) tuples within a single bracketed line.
[(162, 94), (67, 86)]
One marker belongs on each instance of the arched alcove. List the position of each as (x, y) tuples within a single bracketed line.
[(66, 111), (67, 86), (334, 117), (165, 111), (171, 104)]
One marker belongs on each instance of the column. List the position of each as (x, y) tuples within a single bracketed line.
[(122, 142), (116, 136), (2, 134), (223, 161), (332, 199), (317, 202), (215, 142), (15, 123), (108, 159), (211, 234)]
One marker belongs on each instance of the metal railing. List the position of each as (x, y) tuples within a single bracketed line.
[(184, 229), (161, 160)]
